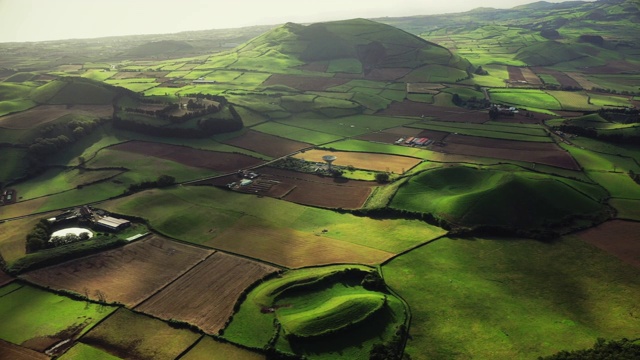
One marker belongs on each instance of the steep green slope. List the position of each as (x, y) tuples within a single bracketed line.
[(515, 201), (373, 44), (77, 91)]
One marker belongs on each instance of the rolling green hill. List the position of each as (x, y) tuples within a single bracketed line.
[(77, 91), (519, 201), (372, 44)]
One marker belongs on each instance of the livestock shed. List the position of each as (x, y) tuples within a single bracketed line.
[(112, 223)]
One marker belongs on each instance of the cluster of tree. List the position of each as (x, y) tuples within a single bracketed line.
[(205, 127), (603, 349), (374, 282), (634, 176), (394, 349), (613, 91), (480, 71), (470, 103), (38, 237), (217, 98), (382, 178), (622, 116), (160, 182), (614, 137)]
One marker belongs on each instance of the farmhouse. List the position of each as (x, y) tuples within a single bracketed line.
[(112, 223)]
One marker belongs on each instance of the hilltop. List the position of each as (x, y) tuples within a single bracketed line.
[(362, 43)]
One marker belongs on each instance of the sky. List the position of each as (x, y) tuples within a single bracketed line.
[(40, 20)]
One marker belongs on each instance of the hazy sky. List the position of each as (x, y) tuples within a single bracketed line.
[(37, 20)]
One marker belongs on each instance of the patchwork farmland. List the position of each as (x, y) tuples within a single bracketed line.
[(451, 186)]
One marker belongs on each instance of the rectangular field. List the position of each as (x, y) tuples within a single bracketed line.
[(296, 133), (11, 351), (361, 160), (443, 113), (127, 275), (535, 152), (617, 237), (46, 113), (495, 131), (292, 248), (266, 144), (218, 161), (205, 296), (210, 349), (134, 336)]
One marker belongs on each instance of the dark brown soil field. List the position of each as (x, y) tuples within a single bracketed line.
[(433, 135), (213, 160), (11, 351), (361, 160), (442, 113), (530, 76), (206, 295), (617, 237), (304, 83), (46, 113), (266, 144), (310, 189), (613, 67), (541, 153), (564, 79), (515, 74), (4, 279), (127, 275)]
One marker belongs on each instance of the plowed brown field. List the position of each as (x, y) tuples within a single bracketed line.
[(536, 152), (442, 113), (219, 161), (266, 144), (617, 237), (46, 113), (206, 295), (127, 275), (10, 351)]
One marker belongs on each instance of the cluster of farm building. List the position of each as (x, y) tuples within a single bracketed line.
[(98, 219), (414, 141), (8, 197)]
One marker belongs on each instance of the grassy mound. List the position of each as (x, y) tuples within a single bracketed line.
[(77, 91), (309, 311), (518, 201), (347, 43), (316, 317)]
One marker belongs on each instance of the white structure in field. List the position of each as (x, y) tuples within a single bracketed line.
[(329, 159)]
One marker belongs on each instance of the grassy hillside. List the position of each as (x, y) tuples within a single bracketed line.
[(519, 201), (77, 91)]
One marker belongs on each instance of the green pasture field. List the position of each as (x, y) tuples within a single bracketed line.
[(98, 74), (627, 209), (496, 77), (162, 91), (81, 93), (44, 93), (381, 195), (257, 103), (464, 92), (373, 147), (435, 74), (139, 336), (525, 98), (210, 349), (296, 133), (12, 91), (488, 131), (13, 236), (594, 161), (626, 82), (12, 106), (252, 328), (393, 94), (371, 101), (57, 180), (548, 79), (600, 100), (619, 185), (425, 98), (29, 313), (350, 66), (81, 351), (20, 77), (471, 197), (346, 126), (138, 87), (573, 100), (187, 213), (608, 148), (537, 298), (223, 75), (178, 74), (271, 61), (13, 164), (252, 78), (443, 99)]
